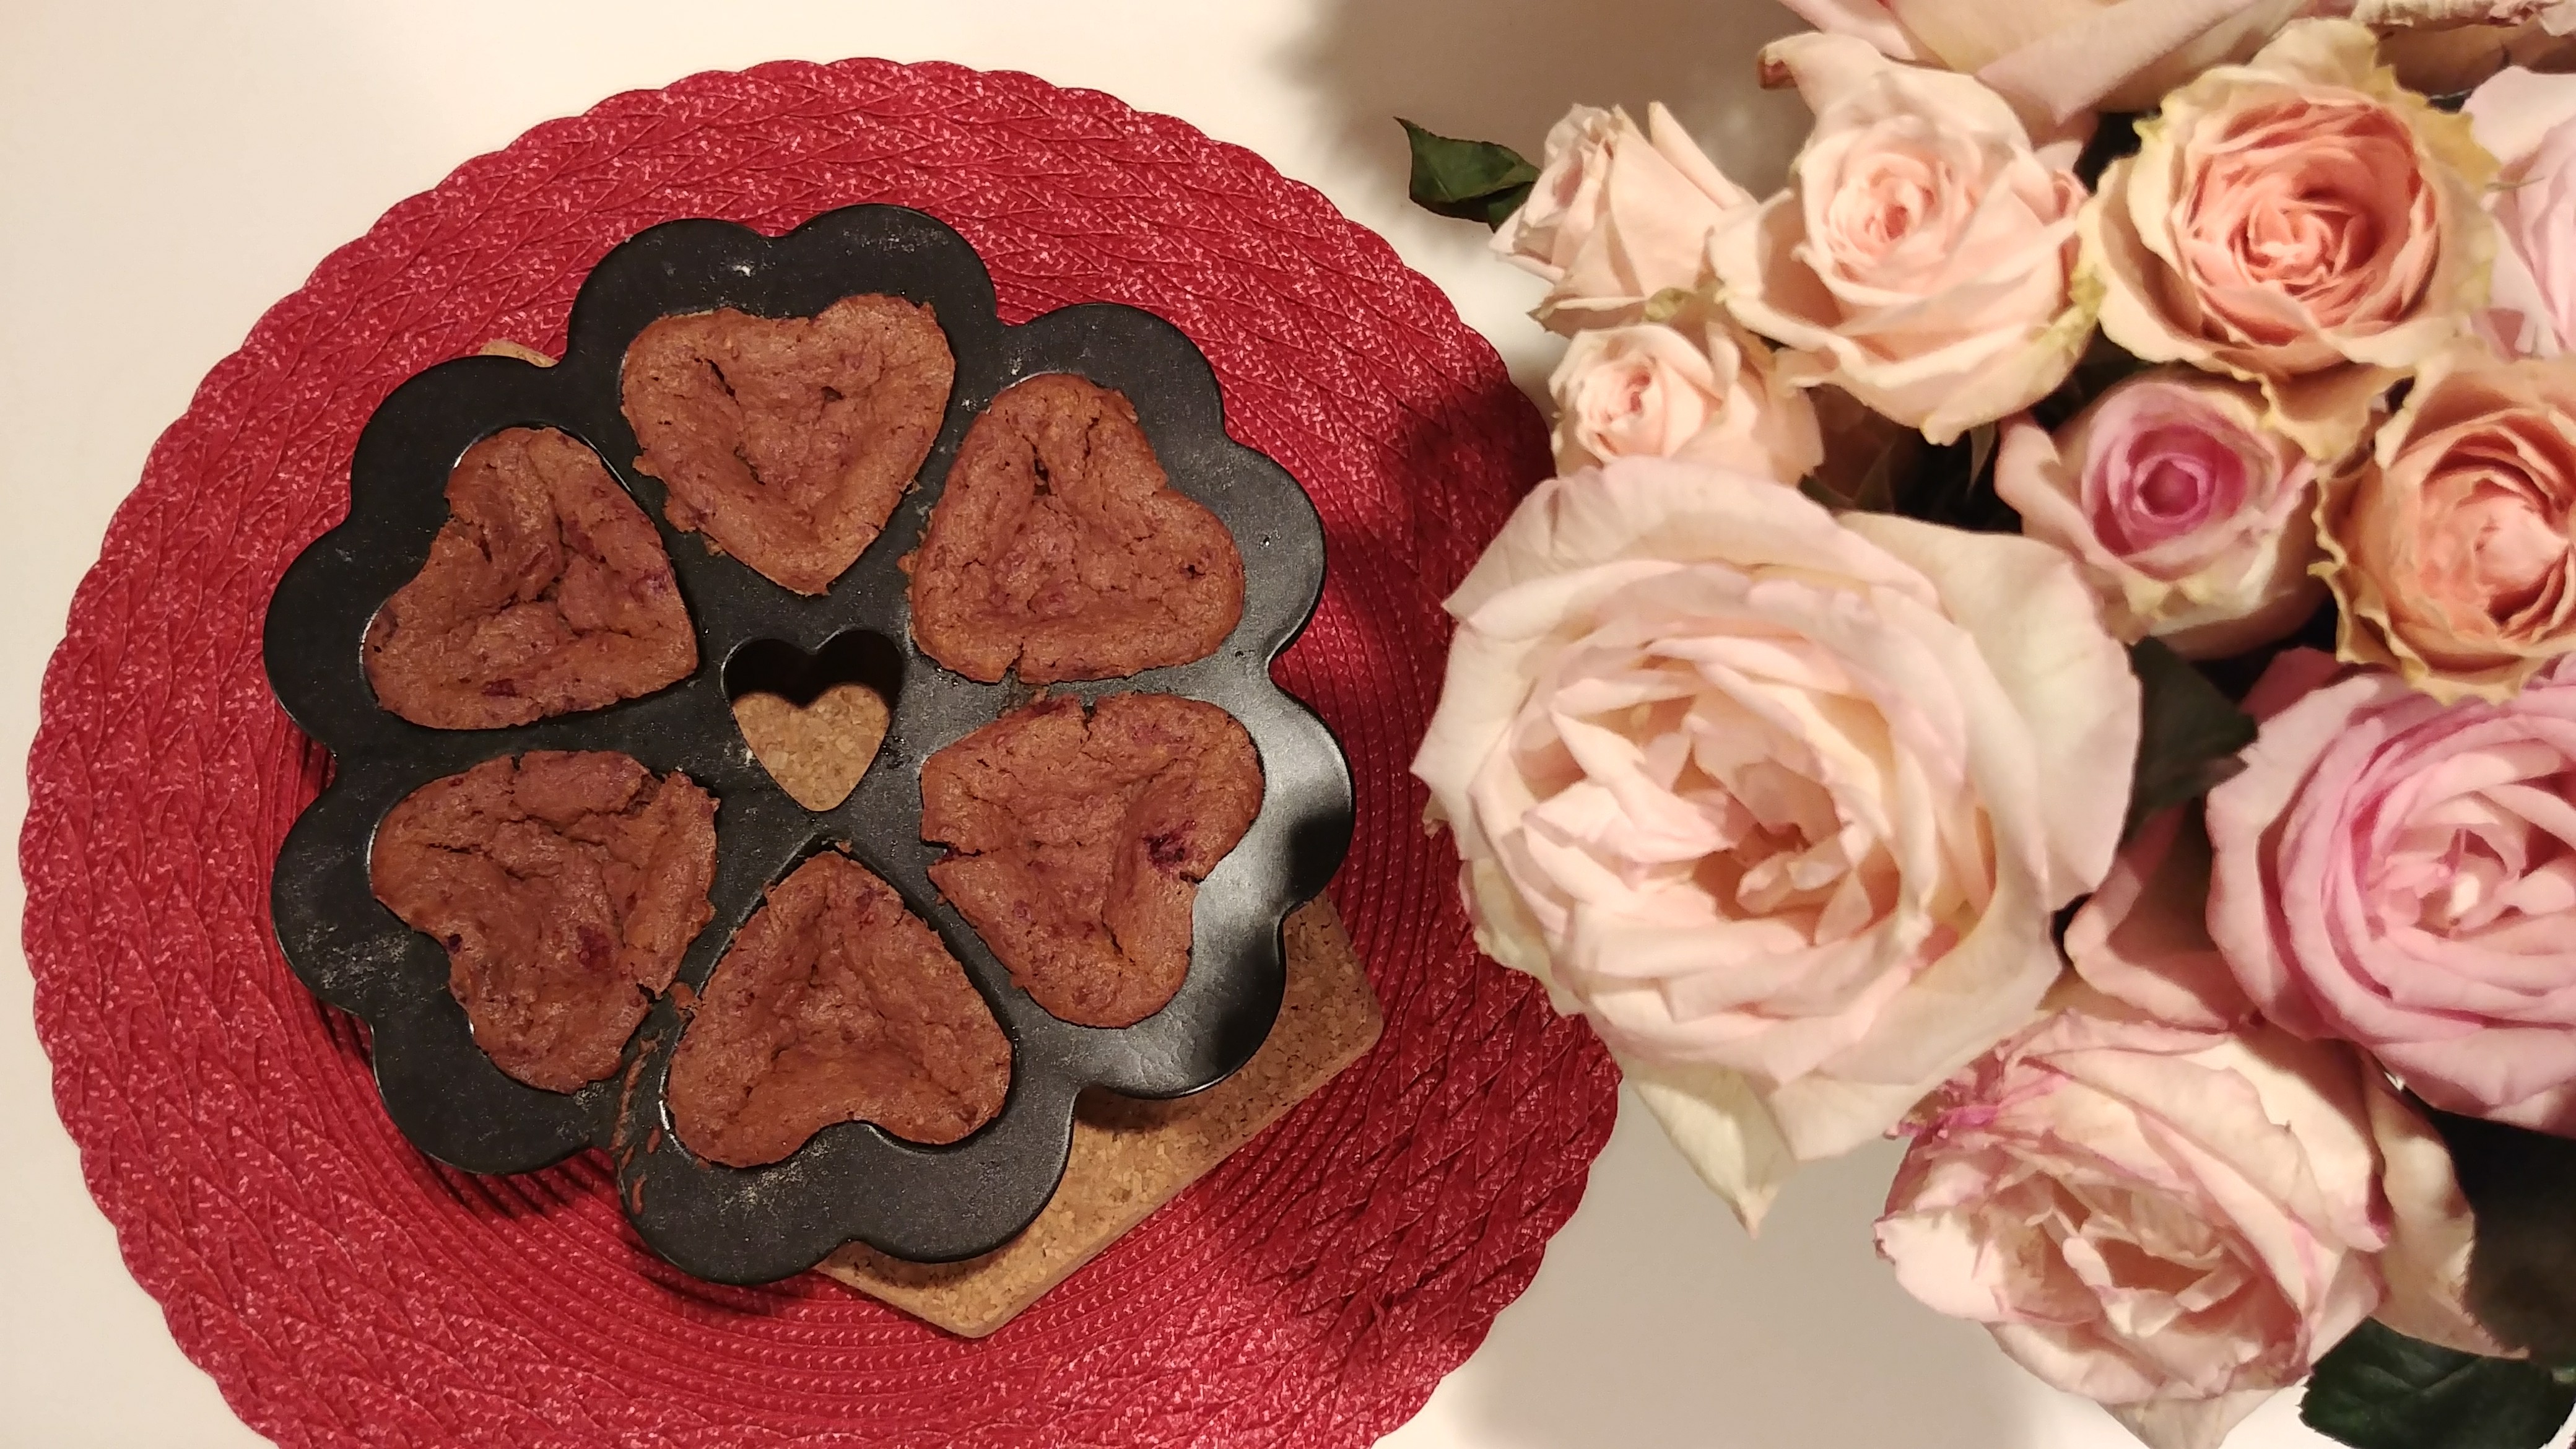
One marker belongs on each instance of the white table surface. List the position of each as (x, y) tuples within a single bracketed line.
[(168, 168)]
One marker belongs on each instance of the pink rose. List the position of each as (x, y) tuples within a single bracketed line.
[(2061, 57), (2452, 546), (1698, 387), (2529, 122), (1921, 258), (2143, 941), (1781, 802), (2174, 1223), (2299, 222), (1617, 216), (2064, 57), (2400, 873), (2192, 522)]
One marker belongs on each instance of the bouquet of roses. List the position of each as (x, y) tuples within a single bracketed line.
[(2052, 639)]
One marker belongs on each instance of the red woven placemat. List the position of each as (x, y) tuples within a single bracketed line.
[(342, 1289)]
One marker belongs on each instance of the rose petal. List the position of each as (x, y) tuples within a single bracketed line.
[(2036, 627), (2190, 1423), (2143, 938), (1723, 1130)]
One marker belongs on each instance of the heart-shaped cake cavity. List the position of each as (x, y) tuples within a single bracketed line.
[(834, 1004), (546, 591), (1060, 549), (814, 721), (1077, 841), (787, 441), (564, 887)]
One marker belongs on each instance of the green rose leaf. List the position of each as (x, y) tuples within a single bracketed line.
[(2188, 736), (1471, 180), (2380, 1389)]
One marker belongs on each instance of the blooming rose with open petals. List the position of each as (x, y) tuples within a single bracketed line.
[(2174, 1223), (2191, 520), (2143, 940), (2061, 57), (2300, 222), (2453, 546), (1922, 255), (2529, 122), (1698, 387), (2397, 872), (1616, 216), (1781, 802)]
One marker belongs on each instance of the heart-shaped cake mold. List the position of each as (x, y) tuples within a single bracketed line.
[(565, 887), (849, 1181), (1078, 839), (1060, 550), (787, 441), (834, 1004), (547, 591)]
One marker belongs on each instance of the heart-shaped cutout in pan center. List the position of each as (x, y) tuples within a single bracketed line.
[(814, 721)]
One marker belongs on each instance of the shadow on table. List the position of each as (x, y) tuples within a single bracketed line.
[(1505, 70), (1657, 1324)]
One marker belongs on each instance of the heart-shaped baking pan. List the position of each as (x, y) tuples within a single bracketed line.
[(851, 1182)]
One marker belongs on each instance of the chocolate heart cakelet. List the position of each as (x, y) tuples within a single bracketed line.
[(834, 1004), (788, 441), (1060, 549), (546, 592), (1077, 842), (565, 887)]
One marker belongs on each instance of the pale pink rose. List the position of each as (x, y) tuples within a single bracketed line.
[(2143, 941), (2174, 1223), (2194, 524), (1781, 802), (2529, 122), (2299, 222), (2061, 57), (1698, 387), (1617, 215), (2400, 873), (2143, 937), (1921, 257), (2452, 546)]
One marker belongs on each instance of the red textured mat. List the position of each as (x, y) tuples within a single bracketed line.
[(344, 1290)]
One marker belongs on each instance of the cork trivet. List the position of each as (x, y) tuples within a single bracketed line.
[(816, 752), (1131, 1157)]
